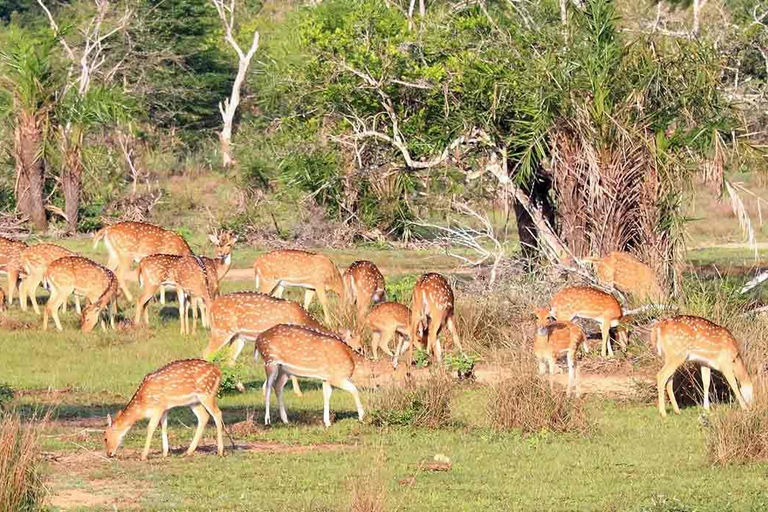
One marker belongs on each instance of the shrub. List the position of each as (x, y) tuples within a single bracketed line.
[(426, 405), (231, 375), (6, 395), (400, 288), (737, 436), (21, 487), (527, 403)]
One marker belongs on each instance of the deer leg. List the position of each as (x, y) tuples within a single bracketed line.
[(77, 305), (572, 385), (162, 294), (12, 278), (213, 409), (182, 311), (141, 303), (706, 376), (327, 390), (454, 332), (376, 337), (202, 421), (433, 343), (309, 295), (123, 266), (112, 313), (194, 314), (272, 373), (60, 297), (48, 309), (23, 292), (362, 308), (731, 378), (34, 282), (605, 327), (164, 430), (153, 422), (664, 375), (277, 290), (671, 394), (348, 385), (281, 380), (295, 385)]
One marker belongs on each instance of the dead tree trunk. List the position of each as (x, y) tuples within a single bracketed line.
[(28, 138)]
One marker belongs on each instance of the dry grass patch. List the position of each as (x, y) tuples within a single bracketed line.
[(21, 488), (736, 436), (426, 404)]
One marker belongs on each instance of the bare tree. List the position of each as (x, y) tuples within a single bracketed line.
[(229, 107)]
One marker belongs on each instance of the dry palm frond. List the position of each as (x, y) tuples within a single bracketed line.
[(745, 223)]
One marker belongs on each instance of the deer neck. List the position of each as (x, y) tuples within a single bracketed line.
[(223, 264)]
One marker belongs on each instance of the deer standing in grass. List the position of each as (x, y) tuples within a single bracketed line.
[(552, 340), (387, 321), (10, 265), (81, 276), (34, 261), (691, 338), (593, 304), (363, 285), (127, 242), (190, 276), (189, 382), (432, 306), (628, 274), (292, 350), (287, 267)]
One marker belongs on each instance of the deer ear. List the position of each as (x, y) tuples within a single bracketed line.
[(109, 420), (214, 239)]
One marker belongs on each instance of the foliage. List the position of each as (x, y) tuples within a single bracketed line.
[(735, 436), (425, 405), (21, 484), (231, 374), (6, 394), (400, 289), (462, 363)]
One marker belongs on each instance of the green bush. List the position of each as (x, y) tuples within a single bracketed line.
[(425, 405), (400, 288), (6, 395)]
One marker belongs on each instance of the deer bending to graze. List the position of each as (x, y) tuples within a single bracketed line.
[(691, 338), (189, 382), (81, 276), (292, 350), (219, 266), (628, 274), (127, 242), (363, 285), (432, 307), (386, 321), (592, 304), (288, 267), (34, 262), (10, 264), (554, 339)]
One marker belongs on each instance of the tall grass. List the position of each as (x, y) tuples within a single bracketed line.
[(426, 404), (21, 487), (736, 436)]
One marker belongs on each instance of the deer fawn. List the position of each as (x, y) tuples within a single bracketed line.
[(592, 304), (81, 276), (127, 242), (432, 307), (691, 338), (386, 321), (292, 350), (363, 285), (628, 274), (316, 273), (554, 339), (187, 273), (34, 262), (10, 265), (189, 382)]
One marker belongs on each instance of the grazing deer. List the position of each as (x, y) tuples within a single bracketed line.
[(553, 339), (287, 267), (691, 338), (628, 274), (81, 276), (188, 274), (189, 382), (592, 304), (432, 307), (10, 265), (363, 285), (292, 350), (219, 266), (34, 261), (127, 242), (386, 321)]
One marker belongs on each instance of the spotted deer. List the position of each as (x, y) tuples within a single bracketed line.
[(293, 350), (10, 265), (592, 304), (190, 277), (287, 267), (190, 382), (628, 274), (34, 261), (129, 242), (81, 276), (432, 307), (552, 340), (363, 285), (691, 338), (386, 322)]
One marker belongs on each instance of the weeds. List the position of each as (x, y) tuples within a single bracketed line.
[(6, 395), (737, 436), (21, 487), (368, 490), (426, 405)]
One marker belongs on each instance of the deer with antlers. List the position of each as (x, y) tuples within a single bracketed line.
[(293, 350), (81, 276), (363, 285), (190, 277), (691, 338), (592, 304), (190, 382), (10, 265), (552, 340), (628, 274), (433, 307), (288, 267), (127, 242), (34, 262)]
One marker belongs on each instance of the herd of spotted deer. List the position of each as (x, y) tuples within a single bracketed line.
[(292, 343)]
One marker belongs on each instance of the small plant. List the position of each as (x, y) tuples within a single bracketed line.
[(426, 405), (420, 358), (6, 395), (231, 375), (462, 363), (400, 289)]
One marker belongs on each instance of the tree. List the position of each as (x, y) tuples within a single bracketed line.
[(27, 77)]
